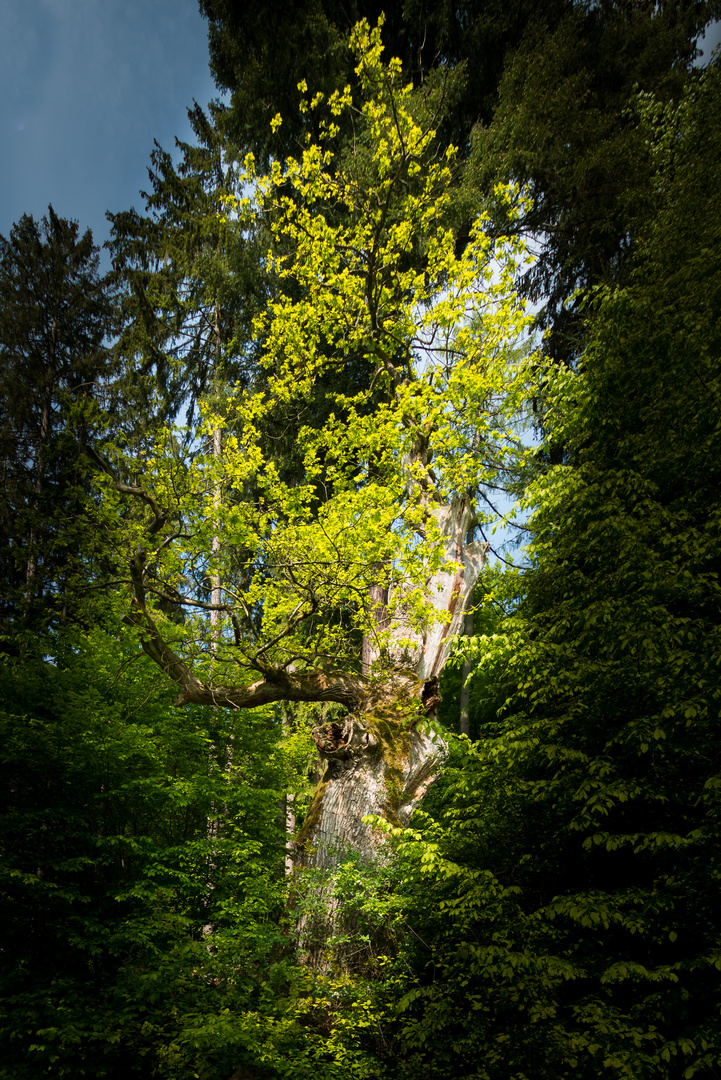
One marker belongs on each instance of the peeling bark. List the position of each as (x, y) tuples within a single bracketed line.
[(378, 762), (450, 591), (380, 759)]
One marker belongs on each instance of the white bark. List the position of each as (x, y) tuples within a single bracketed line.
[(373, 766), (465, 717), (381, 759), (216, 597), (289, 831), (216, 583), (451, 591)]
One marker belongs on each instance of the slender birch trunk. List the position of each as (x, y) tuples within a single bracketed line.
[(290, 823), (216, 582), (212, 826), (465, 717)]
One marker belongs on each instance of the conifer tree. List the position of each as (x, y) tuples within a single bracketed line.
[(538, 94), (191, 280), (575, 863), (56, 313)]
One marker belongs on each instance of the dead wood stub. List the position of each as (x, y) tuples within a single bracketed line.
[(430, 695)]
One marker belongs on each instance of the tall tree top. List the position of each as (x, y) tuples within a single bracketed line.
[(260, 52), (538, 93)]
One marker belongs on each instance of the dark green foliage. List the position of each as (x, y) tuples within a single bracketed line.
[(537, 93), (55, 315), (141, 865), (260, 54), (566, 129), (192, 283), (142, 895), (554, 911), (573, 871), (485, 697)]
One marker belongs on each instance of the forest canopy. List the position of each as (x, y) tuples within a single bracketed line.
[(383, 486), (303, 767)]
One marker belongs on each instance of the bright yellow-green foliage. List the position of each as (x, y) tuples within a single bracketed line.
[(367, 277)]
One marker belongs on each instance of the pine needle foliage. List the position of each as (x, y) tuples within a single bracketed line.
[(572, 874)]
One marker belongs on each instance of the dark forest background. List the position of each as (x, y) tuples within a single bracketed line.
[(553, 911)]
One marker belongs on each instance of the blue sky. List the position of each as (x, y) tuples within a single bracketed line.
[(85, 87), (709, 42)]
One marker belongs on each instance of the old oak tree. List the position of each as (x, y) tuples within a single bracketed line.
[(344, 578)]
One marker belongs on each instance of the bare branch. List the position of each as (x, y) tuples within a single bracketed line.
[(293, 621), (129, 489)]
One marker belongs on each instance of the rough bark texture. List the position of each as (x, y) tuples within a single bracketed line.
[(377, 762), (378, 759), (381, 758), (449, 590)]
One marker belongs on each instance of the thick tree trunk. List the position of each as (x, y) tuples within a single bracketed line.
[(382, 757), (379, 761)]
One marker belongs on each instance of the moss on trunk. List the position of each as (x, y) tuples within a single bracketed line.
[(378, 762)]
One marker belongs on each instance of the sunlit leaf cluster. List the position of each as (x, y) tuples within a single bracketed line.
[(367, 273)]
